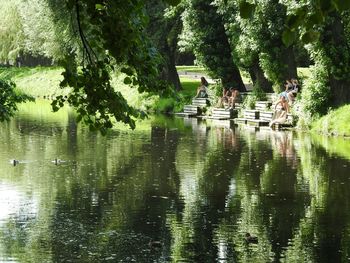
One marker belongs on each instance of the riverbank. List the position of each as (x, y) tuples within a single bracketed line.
[(44, 82), (335, 123)]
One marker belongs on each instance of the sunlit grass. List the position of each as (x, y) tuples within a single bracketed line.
[(38, 81), (336, 122), (192, 69), (304, 72)]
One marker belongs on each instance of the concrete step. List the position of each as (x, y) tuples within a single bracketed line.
[(221, 113), (251, 114), (263, 105), (257, 123), (240, 121), (200, 102)]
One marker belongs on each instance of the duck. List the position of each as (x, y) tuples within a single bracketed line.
[(57, 161), (155, 245), (251, 239), (14, 162)]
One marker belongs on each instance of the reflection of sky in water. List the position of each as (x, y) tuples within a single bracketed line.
[(13, 204)]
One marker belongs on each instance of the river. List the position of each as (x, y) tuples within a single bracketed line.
[(173, 190)]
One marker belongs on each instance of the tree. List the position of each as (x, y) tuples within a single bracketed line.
[(326, 30), (11, 32), (205, 34), (245, 50), (112, 33), (164, 27), (265, 28), (9, 98)]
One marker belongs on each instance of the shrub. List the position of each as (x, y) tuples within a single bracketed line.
[(9, 98)]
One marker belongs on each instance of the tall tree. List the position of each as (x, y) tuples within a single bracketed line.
[(11, 32), (205, 34), (164, 27), (265, 29), (244, 49)]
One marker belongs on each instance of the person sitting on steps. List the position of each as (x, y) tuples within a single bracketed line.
[(280, 116), (202, 89), (235, 97), (294, 91)]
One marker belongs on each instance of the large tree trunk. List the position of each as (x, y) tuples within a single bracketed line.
[(258, 77), (289, 60), (340, 92), (234, 79), (169, 72), (339, 82)]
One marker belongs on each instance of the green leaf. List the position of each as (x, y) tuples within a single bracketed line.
[(127, 80), (173, 2), (342, 5), (246, 9), (100, 7), (127, 71), (288, 37), (310, 36)]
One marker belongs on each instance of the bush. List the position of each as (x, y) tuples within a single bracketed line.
[(256, 95), (315, 96), (9, 98)]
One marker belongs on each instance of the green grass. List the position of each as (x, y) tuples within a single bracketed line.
[(189, 86), (304, 73), (336, 122), (192, 69), (37, 82)]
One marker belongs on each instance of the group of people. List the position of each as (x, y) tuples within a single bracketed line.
[(286, 99), (229, 95)]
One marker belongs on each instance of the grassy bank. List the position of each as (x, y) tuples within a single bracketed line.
[(42, 82), (334, 123), (37, 82)]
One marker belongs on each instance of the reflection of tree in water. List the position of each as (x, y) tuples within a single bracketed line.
[(323, 235), (198, 190), (205, 186), (282, 142), (271, 203), (123, 209)]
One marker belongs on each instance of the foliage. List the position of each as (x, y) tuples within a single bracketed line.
[(9, 98), (11, 32), (204, 33), (257, 42), (336, 122), (301, 17), (48, 29), (315, 96), (256, 95)]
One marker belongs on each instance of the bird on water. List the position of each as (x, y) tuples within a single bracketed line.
[(251, 239)]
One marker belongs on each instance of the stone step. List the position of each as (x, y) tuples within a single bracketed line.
[(257, 123), (251, 114), (221, 113), (263, 105), (191, 110), (200, 102), (240, 121), (266, 115)]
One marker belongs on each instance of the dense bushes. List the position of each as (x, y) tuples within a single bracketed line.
[(9, 98)]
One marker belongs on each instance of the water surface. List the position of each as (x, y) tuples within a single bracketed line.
[(196, 187)]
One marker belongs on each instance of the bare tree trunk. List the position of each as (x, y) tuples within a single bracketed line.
[(258, 77)]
